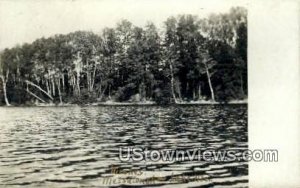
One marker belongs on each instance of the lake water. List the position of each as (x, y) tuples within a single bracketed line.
[(79, 146)]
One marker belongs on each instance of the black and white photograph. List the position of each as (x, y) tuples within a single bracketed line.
[(132, 93)]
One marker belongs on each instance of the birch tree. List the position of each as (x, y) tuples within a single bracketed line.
[(4, 73)]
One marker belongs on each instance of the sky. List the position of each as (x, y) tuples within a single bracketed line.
[(26, 20)]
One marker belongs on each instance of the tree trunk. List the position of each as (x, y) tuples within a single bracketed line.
[(47, 86), (59, 91), (142, 91), (63, 81), (178, 89), (172, 84), (109, 92), (209, 83), (4, 81), (35, 96), (99, 90), (93, 78), (102, 92), (72, 83), (38, 87), (199, 92), (50, 87), (88, 80), (78, 83), (53, 86)]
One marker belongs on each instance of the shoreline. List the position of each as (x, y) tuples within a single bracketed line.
[(147, 103)]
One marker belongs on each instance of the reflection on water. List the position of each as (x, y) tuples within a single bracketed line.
[(77, 146)]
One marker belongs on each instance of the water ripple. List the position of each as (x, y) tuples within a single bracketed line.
[(78, 146)]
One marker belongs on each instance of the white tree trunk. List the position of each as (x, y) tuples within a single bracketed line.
[(38, 87), (4, 91), (53, 86), (78, 83), (209, 83), (93, 78), (35, 96), (63, 82), (4, 81), (59, 92)]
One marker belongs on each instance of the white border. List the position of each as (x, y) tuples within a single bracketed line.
[(274, 80)]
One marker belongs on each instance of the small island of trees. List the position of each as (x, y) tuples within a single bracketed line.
[(189, 59)]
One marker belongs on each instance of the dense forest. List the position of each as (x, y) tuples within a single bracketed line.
[(188, 59)]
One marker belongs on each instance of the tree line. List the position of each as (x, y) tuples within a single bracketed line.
[(188, 59)]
